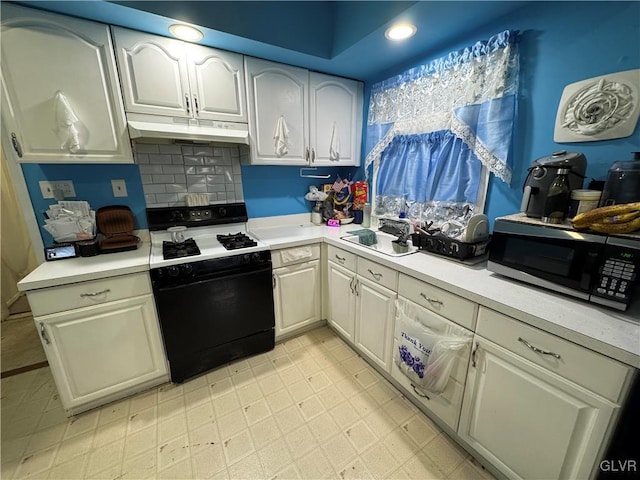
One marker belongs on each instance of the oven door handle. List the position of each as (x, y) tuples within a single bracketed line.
[(188, 282)]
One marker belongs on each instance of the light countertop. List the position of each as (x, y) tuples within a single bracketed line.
[(612, 333), (81, 269)]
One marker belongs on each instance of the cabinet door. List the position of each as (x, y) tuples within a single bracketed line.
[(342, 300), (297, 296), (96, 352), (153, 73), (335, 129), (274, 91), (527, 421), (45, 54), (216, 79), (375, 312)]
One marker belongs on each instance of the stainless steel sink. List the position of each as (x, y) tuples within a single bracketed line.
[(384, 244)]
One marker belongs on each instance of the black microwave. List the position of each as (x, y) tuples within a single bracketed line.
[(598, 268)]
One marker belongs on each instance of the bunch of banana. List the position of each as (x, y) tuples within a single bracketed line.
[(623, 218)]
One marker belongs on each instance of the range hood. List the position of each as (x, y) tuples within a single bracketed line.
[(175, 128)]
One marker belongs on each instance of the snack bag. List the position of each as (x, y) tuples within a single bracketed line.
[(360, 195)]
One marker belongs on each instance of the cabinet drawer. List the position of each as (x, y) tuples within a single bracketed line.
[(375, 272), (341, 257), (589, 369), (445, 406), (449, 305), (85, 294), (293, 255)]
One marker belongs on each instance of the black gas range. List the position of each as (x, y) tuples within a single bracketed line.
[(213, 290)]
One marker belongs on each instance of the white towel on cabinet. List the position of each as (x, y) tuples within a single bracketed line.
[(281, 136), (66, 119), (334, 146)]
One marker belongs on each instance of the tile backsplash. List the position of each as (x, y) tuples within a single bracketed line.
[(170, 171)]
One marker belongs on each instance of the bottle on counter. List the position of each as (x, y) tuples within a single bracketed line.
[(366, 215), (316, 214), (583, 201), (557, 202)]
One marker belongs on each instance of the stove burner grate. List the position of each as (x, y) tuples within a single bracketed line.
[(187, 248), (234, 241)]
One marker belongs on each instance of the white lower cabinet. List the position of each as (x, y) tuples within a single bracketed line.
[(527, 412), (342, 300), (297, 288), (362, 305), (375, 311), (102, 352)]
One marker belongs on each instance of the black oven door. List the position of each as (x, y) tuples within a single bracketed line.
[(549, 257), (215, 317)]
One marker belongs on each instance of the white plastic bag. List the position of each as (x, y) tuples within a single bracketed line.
[(428, 346)]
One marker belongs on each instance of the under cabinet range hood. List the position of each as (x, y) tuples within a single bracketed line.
[(176, 128)]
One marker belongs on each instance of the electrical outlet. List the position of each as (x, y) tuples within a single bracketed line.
[(119, 188), (48, 189)]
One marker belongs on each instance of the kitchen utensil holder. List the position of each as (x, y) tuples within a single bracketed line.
[(449, 247)]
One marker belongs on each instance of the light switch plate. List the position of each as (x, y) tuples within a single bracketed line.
[(48, 189), (119, 188)]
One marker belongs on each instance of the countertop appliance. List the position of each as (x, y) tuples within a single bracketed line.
[(542, 173), (116, 224), (213, 291), (598, 268), (623, 183)]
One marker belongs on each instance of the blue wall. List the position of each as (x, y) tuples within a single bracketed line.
[(562, 43), (91, 183), (276, 190), (268, 190)]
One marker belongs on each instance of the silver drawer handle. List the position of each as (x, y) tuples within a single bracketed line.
[(474, 363), (432, 301), (95, 294), (538, 350), (375, 275), (43, 334), (419, 393), (340, 259)]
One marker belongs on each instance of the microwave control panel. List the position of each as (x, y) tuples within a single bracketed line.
[(618, 273)]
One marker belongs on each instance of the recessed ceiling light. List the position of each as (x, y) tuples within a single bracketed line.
[(186, 32), (400, 31)]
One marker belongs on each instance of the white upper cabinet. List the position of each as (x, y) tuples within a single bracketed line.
[(197, 82), (297, 117), (277, 96), (61, 100), (335, 111)]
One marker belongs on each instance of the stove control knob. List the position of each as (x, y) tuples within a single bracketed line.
[(255, 257), (186, 269), (246, 258), (172, 271), (222, 212)]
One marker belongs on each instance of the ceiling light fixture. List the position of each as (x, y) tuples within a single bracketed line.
[(186, 32), (400, 31)]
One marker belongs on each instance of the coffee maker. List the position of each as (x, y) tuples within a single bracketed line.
[(541, 175)]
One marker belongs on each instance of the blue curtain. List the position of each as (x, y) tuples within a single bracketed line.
[(434, 166), (432, 131)]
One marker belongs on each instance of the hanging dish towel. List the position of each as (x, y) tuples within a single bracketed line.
[(281, 136), (334, 146), (65, 121)]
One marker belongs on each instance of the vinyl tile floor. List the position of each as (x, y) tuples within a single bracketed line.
[(309, 409), (20, 344)]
